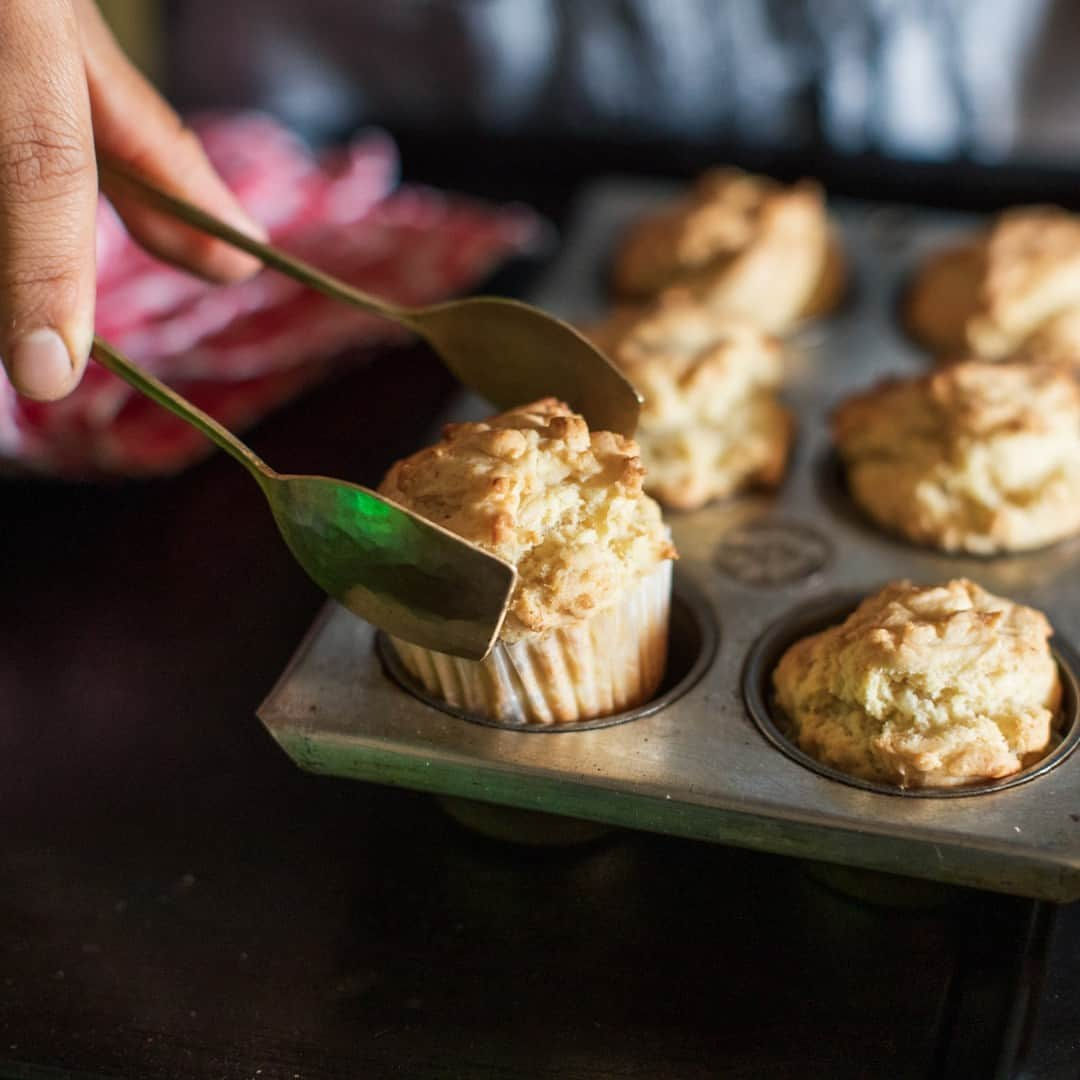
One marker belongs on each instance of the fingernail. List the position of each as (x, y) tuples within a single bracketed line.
[(40, 365)]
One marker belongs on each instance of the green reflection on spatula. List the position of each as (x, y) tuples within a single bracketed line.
[(397, 570)]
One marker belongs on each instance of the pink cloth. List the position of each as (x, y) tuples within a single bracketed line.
[(239, 351)]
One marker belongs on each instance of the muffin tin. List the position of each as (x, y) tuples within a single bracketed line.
[(709, 759)]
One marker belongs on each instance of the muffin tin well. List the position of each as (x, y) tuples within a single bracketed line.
[(692, 641), (696, 762), (830, 610)]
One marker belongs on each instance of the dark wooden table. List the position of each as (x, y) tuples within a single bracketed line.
[(178, 901)]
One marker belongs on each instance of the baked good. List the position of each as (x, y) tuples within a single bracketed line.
[(1056, 342), (994, 294), (943, 296), (976, 457), (925, 686), (744, 245), (711, 424), (586, 630)]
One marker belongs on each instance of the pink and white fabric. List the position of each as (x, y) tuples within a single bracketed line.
[(239, 351)]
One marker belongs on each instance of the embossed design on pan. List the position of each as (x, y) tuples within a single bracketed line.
[(829, 610), (693, 641), (772, 552)]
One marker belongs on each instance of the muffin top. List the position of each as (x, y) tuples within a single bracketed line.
[(1032, 273), (710, 422), (979, 456), (925, 686), (703, 238), (960, 402), (1057, 341), (992, 294), (534, 486), (682, 355), (942, 296)]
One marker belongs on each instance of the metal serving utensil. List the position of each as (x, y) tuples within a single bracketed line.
[(507, 351), (391, 567)]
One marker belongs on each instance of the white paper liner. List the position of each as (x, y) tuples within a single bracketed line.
[(606, 664)]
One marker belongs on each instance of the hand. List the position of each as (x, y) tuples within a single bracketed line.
[(66, 89)]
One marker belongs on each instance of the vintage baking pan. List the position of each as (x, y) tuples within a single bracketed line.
[(709, 759)]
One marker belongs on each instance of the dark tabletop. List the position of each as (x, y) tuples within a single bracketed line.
[(178, 901)]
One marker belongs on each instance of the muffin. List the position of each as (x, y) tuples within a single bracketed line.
[(929, 687), (710, 425), (1003, 292), (976, 457), (744, 245), (942, 297), (1056, 342), (586, 630)]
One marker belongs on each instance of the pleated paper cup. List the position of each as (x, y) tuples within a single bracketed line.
[(608, 663)]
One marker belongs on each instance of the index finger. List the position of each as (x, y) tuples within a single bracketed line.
[(136, 128)]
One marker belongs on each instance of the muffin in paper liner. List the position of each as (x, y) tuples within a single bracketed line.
[(581, 671), (585, 633)]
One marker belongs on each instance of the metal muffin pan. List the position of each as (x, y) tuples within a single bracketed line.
[(700, 765)]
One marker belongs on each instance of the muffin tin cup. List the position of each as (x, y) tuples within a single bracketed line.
[(706, 758), (830, 611), (691, 645), (585, 670)]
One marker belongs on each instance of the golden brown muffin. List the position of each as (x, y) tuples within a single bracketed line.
[(943, 296), (710, 425), (994, 295), (976, 457), (745, 245), (586, 631), (1056, 342), (923, 686)]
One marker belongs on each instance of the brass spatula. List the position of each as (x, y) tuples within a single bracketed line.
[(507, 351), (391, 567)]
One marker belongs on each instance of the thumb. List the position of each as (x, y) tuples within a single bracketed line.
[(48, 199)]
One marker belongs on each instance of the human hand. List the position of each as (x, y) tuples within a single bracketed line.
[(67, 89)]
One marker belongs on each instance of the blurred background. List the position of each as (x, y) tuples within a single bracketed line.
[(973, 102)]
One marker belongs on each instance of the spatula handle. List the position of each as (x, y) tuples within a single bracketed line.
[(145, 383), (269, 255)]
